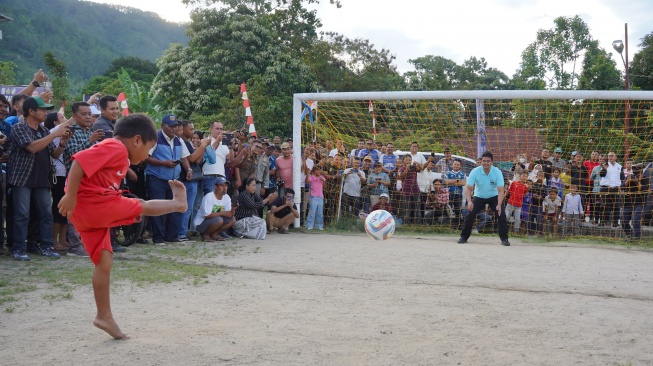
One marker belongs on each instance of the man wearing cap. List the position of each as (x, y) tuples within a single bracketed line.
[(370, 151), (164, 164), (216, 214), (109, 114), (383, 204), (378, 183), (556, 160), (29, 175)]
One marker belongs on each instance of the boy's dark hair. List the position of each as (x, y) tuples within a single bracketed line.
[(4, 100), (104, 101), (17, 99), (184, 123), (290, 190), (558, 169), (487, 154), (136, 124), (76, 106), (553, 189)]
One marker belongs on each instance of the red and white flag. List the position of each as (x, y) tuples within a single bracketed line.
[(373, 119), (122, 99), (248, 110)]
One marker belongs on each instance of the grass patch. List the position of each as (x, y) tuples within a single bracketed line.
[(141, 265)]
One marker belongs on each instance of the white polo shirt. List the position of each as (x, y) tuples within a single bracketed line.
[(221, 153)]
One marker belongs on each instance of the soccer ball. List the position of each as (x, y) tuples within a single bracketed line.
[(379, 225)]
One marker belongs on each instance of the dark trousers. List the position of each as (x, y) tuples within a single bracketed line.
[(611, 204), (165, 227), (633, 213), (479, 205)]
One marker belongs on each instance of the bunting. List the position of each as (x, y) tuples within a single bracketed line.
[(248, 110)]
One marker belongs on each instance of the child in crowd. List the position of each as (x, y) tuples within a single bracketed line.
[(316, 209), (517, 190), (556, 182), (572, 211), (94, 203), (551, 208)]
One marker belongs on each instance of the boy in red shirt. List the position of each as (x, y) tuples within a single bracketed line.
[(94, 203), (517, 190)]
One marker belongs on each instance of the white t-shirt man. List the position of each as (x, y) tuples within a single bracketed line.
[(352, 186), (221, 153), (333, 153), (210, 204), (418, 158)]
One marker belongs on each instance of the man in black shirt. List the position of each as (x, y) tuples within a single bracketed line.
[(282, 213), (547, 165)]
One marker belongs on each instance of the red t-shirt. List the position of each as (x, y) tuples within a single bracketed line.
[(590, 166), (105, 165), (517, 191)]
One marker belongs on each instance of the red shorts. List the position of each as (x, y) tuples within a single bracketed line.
[(550, 215), (93, 220)]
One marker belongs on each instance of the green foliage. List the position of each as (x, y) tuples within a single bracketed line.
[(641, 68), (7, 75), (59, 77), (553, 51), (141, 99), (599, 70), (86, 36), (140, 70), (439, 73)]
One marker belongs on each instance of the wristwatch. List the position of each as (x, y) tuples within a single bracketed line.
[(36, 83)]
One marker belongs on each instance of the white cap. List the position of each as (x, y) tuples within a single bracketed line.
[(384, 195)]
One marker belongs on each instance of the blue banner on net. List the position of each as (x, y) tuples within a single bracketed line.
[(481, 140)]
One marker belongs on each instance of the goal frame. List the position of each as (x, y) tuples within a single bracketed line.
[(444, 95)]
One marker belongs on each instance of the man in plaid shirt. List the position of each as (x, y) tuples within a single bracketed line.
[(29, 172), (82, 137)]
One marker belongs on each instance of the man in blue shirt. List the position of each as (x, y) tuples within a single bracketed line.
[(487, 183)]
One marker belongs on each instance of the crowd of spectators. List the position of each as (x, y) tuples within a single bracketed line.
[(241, 185)]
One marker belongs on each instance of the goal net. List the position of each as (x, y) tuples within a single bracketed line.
[(557, 138)]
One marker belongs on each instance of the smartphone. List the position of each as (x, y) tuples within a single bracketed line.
[(226, 139), (47, 86), (177, 162), (108, 134)]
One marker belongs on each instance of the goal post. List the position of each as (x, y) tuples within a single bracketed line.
[(548, 118)]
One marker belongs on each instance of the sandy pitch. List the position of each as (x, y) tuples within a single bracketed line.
[(348, 300)]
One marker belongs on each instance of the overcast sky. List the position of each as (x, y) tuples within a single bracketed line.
[(498, 30)]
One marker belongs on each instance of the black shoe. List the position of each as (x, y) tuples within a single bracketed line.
[(505, 243), (141, 241), (118, 249), (462, 241)]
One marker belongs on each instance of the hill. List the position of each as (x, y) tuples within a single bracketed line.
[(85, 36)]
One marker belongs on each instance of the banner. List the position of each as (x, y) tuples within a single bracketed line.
[(481, 140)]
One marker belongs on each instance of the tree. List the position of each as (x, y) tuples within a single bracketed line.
[(432, 73), (59, 77), (599, 70), (641, 68), (7, 75), (229, 47), (555, 52), (140, 70)]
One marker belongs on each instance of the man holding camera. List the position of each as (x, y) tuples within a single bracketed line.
[(282, 213), (29, 175), (612, 175), (164, 164)]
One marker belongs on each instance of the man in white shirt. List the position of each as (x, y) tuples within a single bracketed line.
[(215, 214), (425, 180), (611, 175), (351, 192), (223, 153), (417, 158)]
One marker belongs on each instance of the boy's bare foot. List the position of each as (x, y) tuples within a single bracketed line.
[(110, 327), (179, 195)]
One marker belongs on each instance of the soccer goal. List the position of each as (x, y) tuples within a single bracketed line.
[(555, 133)]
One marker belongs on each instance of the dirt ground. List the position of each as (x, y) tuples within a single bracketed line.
[(317, 299)]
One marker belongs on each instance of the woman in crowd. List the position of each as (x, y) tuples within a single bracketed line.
[(248, 224), (57, 184)]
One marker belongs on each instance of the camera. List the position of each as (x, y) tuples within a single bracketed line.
[(280, 183)]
